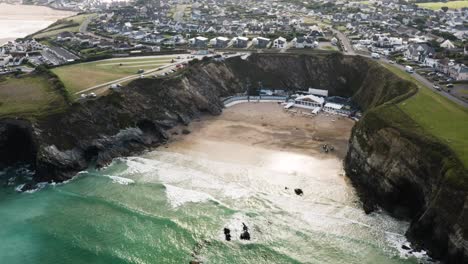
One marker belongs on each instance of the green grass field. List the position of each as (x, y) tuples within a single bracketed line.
[(450, 4), (78, 77), (28, 96), (441, 117), (71, 24)]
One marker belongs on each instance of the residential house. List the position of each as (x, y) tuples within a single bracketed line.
[(280, 43), (304, 42), (315, 31), (419, 52), (240, 42), (65, 36), (199, 42), (459, 72), (261, 42), (219, 42)]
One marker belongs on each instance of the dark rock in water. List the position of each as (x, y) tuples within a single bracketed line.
[(405, 247), (245, 235), (299, 192), (195, 262), (26, 187), (368, 207), (185, 131), (227, 234)]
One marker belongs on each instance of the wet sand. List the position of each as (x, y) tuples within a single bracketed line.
[(17, 21)]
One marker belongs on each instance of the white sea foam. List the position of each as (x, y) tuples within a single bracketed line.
[(397, 241), (178, 196), (37, 187), (120, 180), (19, 187)]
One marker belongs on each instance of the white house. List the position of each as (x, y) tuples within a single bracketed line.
[(261, 42), (447, 44), (304, 42), (219, 42), (459, 72), (280, 43), (240, 42)]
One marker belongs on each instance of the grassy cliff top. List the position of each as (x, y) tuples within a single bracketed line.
[(71, 24), (32, 95), (439, 116)]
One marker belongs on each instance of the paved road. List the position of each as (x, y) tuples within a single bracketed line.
[(345, 42)]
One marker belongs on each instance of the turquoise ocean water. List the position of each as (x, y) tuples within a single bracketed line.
[(168, 207)]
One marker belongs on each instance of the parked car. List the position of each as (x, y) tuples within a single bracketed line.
[(449, 85), (409, 69), (437, 87)]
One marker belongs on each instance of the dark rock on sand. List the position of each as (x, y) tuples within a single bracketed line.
[(299, 192)]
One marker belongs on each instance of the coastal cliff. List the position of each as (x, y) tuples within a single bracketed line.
[(395, 165), (137, 116), (391, 161)]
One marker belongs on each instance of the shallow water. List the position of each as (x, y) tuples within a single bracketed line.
[(171, 205)]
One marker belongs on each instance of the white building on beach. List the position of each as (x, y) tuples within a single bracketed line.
[(309, 101), (334, 108)]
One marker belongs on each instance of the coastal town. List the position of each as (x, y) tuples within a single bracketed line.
[(430, 42)]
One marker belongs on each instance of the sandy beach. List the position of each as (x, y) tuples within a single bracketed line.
[(17, 21), (268, 126)]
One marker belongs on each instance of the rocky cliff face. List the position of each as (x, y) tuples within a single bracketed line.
[(410, 174), (136, 117), (390, 161)]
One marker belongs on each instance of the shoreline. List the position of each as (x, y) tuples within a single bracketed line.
[(19, 20)]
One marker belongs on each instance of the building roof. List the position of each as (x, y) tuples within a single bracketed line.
[(334, 106), (318, 92), (313, 98)]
